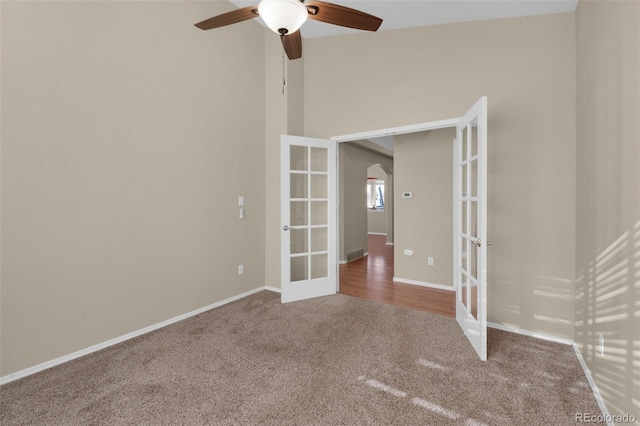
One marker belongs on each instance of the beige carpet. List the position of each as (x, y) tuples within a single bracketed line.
[(330, 361)]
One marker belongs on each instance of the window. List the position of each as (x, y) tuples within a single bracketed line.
[(375, 194)]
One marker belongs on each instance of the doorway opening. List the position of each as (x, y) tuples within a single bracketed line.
[(379, 190), (404, 233)]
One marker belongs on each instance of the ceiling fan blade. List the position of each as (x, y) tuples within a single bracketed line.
[(292, 44), (229, 18), (341, 15)]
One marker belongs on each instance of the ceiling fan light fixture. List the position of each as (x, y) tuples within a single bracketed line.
[(282, 15)]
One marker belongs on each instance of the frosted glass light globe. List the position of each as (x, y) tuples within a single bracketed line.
[(280, 15)]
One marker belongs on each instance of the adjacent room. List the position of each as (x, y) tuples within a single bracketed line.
[(141, 227)]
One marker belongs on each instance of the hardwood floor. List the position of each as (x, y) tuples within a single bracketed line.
[(371, 277)]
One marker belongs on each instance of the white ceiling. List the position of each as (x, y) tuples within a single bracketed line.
[(417, 13)]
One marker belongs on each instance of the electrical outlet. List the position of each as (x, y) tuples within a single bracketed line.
[(241, 215), (240, 269), (601, 345), (430, 261)]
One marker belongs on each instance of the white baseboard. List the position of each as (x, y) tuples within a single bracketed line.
[(86, 351), (565, 341), (376, 233), (535, 334), (344, 262), (423, 284), (594, 387), (66, 358)]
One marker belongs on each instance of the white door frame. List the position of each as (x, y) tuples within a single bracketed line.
[(414, 128), (391, 131)]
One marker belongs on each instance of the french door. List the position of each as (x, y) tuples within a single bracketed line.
[(470, 225), (308, 218)]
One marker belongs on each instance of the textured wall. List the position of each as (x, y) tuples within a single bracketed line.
[(424, 166), (526, 67), (284, 115), (608, 198), (127, 136)]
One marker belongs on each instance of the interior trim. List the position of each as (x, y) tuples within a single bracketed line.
[(424, 284), (594, 387), (535, 334), (565, 341), (66, 358), (86, 351)]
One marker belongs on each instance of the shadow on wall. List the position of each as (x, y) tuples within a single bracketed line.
[(609, 291), (551, 296), (544, 306)]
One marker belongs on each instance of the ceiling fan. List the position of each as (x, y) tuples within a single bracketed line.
[(285, 17)]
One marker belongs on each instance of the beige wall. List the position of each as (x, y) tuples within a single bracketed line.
[(424, 223), (377, 222), (526, 67), (608, 198), (275, 125), (127, 136), (284, 115), (353, 164), (126, 145)]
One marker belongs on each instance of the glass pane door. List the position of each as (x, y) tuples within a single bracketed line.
[(309, 215), (470, 226), (309, 218)]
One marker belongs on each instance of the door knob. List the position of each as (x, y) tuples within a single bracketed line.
[(478, 242), (285, 228)]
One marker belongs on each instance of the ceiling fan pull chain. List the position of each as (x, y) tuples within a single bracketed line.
[(284, 80)]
